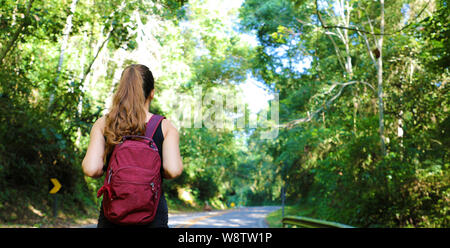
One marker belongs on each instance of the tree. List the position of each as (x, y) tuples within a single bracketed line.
[(336, 120)]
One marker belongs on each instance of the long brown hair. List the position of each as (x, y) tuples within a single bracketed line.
[(127, 114)]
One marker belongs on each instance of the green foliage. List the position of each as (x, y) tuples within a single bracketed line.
[(434, 32), (329, 159), (333, 161), (47, 112), (35, 149)]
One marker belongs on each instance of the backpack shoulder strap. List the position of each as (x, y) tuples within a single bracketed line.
[(152, 125)]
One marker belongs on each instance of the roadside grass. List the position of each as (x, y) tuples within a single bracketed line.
[(38, 214), (31, 217), (177, 206), (181, 207), (35, 214), (274, 219), (21, 209)]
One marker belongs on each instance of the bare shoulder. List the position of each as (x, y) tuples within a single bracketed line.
[(168, 127), (100, 124)]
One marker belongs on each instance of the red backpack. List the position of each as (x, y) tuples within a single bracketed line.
[(132, 186)]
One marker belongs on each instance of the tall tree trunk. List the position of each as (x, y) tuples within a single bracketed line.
[(67, 30), (345, 8), (380, 80), (84, 84), (65, 39)]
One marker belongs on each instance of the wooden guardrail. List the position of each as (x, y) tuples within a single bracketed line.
[(306, 222)]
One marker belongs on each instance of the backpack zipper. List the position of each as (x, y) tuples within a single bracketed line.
[(127, 167), (153, 186), (110, 174), (155, 195)]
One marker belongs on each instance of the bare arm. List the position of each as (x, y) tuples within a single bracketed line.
[(172, 163), (93, 160)]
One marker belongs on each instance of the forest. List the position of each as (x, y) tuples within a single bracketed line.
[(356, 91)]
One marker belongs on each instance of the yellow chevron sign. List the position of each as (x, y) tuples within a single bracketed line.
[(56, 186)]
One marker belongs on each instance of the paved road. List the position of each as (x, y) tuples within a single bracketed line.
[(245, 217)]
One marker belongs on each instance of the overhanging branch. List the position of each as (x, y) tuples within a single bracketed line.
[(311, 116), (322, 23)]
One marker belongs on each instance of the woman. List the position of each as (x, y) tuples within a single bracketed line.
[(128, 115)]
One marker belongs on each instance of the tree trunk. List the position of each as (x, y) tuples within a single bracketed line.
[(67, 30), (65, 39), (84, 84), (346, 21), (380, 81)]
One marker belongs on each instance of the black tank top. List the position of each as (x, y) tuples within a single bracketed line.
[(162, 213), (158, 138)]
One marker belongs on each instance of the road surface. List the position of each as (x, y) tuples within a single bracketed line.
[(244, 217)]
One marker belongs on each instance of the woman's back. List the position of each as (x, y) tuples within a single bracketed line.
[(128, 116)]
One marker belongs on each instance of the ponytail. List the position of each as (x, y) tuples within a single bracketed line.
[(127, 114)]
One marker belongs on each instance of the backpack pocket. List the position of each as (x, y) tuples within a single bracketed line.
[(134, 196)]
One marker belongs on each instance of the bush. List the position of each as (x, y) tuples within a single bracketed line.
[(34, 149)]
